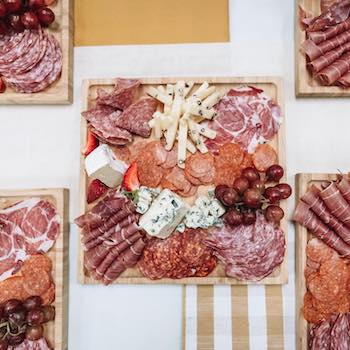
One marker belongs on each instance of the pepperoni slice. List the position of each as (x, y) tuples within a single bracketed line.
[(208, 178), (122, 153), (49, 295), (171, 159), (158, 152), (207, 267), (194, 181), (150, 175), (226, 175), (247, 161), (177, 177), (36, 281), (39, 261), (12, 288), (200, 164), (230, 154), (136, 149), (263, 157), (165, 183), (190, 193)]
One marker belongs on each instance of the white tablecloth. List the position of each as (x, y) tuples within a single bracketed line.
[(39, 147)]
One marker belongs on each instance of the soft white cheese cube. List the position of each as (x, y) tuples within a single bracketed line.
[(102, 164), (165, 213)]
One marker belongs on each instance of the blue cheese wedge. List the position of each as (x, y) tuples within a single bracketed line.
[(145, 197), (102, 164), (164, 215)]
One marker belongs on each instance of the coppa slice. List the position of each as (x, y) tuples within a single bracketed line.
[(245, 116)]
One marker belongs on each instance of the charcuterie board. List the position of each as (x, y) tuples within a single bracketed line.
[(305, 85), (303, 181), (57, 331), (271, 85), (61, 91)]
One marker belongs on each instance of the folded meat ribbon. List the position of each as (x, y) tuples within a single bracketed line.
[(327, 44)]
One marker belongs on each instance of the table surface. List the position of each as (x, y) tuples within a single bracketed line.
[(39, 147)]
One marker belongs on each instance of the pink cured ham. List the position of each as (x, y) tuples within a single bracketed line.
[(335, 71), (335, 14), (122, 95), (26, 228), (313, 51), (344, 81), (312, 198), (318, 37), (245, 116), (136, 117), (320, 336), (40, 344), (305, 217), (326, 4), (344, 188), (249, 252), (102, 120), (336, 203), (327, 59)]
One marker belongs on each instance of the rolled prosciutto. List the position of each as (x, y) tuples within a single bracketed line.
[(305, 217), (335, 71), (344, 188), (318, 37), (344, 81)]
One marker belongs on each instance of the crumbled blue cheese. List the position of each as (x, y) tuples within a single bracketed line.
[(205, 213), (181, 228), (164, 215), (145, 197)]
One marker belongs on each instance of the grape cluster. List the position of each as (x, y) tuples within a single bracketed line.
[(17, 15), (249, 193), (23, 320)]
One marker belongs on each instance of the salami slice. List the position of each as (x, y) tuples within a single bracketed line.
[(263, 157)]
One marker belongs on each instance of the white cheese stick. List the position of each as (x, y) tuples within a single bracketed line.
[(203, 112), (187, 89), (162, 97), (170, 94), (190, 146), (212, 100), (196, 137), (182, 143), (205, 131), (202, 88), (161, 88), (165, 122), (172, 130)]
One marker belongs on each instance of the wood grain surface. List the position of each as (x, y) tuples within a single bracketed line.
[(272, 86)]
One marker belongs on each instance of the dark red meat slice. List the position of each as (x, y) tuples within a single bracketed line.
[(344, 188), (318, 37), (320, 336), (340, 333), (335, 71), (344, 81)]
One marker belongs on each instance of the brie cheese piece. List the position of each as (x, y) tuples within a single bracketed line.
[(102, 164), (164, 215)]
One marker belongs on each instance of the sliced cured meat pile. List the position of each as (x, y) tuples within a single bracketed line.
[(326, 214), (115, 117), (245, 116), (179, 256), (30, 61), (34, 278), (40, 344), (111, 237), (158, 167), (249, 252), (327, 44), (26, 228), (327, 276)]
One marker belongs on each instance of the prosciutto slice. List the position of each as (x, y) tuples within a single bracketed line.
[(305, 217), (336, 203), (320, 336), (344, 188), (344, 81), (318, 37), (312, 198), (335, 71), (340, 333)]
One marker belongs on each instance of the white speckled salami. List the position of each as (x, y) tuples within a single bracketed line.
[(7, 42)]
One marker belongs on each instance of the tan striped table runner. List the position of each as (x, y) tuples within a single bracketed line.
[(234, 317)]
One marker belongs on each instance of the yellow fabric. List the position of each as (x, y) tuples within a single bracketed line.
[(122, 22)]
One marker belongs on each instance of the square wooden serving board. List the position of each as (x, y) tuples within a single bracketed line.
[(305, 84), (303, 182), (61, 91), (271, 85), (57, 331)]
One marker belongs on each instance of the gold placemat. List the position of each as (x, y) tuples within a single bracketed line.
[(123, 22)]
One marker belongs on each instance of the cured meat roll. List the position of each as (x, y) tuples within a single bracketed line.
[(344, 188), (318, 37)]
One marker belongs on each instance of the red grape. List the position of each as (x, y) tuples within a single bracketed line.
[(18, 317), (34, 332), (16, 23), (274, 173), (33, 302), (13, 6), (233, 217), (241, 184), (229, 197), (3, 10), (35, 4), (249, 218), (272, 194), (251, 174), (274, 213), (30, 20), (4, 344), (16, 339), (49, 313), (252, 198), (219, 191), (46, 16), (285, 190), (3, 28), (259, 185), (11, 306), (35, 317)]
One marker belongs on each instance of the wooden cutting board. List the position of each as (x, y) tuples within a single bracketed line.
[(60, 92), (56, 332), (303, 182), (305, 85), (271, 85)]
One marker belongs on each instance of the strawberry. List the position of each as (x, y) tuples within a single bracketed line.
[(91, 143), (131, 180), (2, 85), (96, 189)]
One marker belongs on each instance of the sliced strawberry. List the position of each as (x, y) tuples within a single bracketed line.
[(96, 189), (2, 85), (91, 143), (131, 180)]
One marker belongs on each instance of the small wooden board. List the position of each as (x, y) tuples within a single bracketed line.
[(305, 84), (303, 182), (272, 86), (56, 332), (60, 92)]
